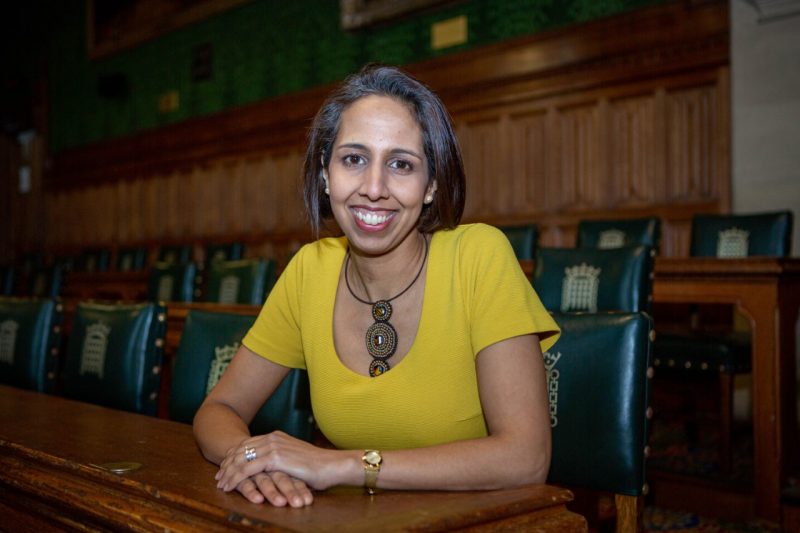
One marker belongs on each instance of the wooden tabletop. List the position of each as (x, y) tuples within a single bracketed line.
[(52, 449)]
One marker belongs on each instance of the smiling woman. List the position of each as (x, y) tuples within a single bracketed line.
[(422, 338)]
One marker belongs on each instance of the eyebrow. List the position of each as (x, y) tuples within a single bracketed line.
[(393, 151)]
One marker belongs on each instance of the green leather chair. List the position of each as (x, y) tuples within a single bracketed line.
[(523, 239), (617, 233), (697, 353), (114, 355), (599, 392), (223, 252), (175, 255), (6, 280), (208, 343), (587, 279), (30, 332), (731, 236), (45, 282), (245, 281), (131, 259), (95, 260), (172, 282)]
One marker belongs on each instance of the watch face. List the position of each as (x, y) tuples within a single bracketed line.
[(373, 457)]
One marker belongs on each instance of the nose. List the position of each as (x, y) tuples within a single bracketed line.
[(374, 185)]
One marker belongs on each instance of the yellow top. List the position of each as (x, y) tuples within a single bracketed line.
[(475, 295)]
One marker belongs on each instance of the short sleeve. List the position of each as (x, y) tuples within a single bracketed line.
[(276, 333), (501, 301)]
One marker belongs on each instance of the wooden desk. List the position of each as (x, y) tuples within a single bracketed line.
[(767, 291), (49, 446)]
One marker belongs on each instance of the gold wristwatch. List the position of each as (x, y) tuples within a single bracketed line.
[(372, 467)]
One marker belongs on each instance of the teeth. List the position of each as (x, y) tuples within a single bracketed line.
[(371, 219)]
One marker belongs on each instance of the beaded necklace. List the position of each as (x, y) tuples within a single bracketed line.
[(381, 337)]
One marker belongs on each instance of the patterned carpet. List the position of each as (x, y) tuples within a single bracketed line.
[(679, 448), (656, 519)]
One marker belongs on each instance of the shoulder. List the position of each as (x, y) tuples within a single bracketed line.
[(320, 253), (472, 239)]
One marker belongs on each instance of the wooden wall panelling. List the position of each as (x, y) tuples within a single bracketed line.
[(623, 117), (631, 132), (530, 162)]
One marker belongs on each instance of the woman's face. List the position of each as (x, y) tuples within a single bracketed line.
[(378, 175)]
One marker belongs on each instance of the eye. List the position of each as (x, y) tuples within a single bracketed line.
[(402, 165), (351, 160)]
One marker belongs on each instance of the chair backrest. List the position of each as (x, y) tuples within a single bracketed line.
[(94, 260), (223, 252), (617, 233), (114, 355), (131, 259), (599, 392), (730, 236), (175, 255), (30, 332), (240, 282), (208, 343), (523, 239), (45, 282), (588, 279), (6, 280), (172, 283)]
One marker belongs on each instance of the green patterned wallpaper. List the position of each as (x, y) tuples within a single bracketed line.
[(260, 50)]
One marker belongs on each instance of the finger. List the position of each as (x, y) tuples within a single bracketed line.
[(304, 491), (236, 470), (286, 485), (249, 490), (268, 488)]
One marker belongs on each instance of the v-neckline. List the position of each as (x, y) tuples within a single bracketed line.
[(420, 325)]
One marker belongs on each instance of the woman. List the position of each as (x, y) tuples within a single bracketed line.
[(422, 339)]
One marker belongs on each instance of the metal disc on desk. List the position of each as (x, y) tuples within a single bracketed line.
[(122, 467)]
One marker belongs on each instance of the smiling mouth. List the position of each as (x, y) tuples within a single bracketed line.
[(371, 219)]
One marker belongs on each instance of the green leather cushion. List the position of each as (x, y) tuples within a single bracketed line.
[(29, 339), (523, 239), (208, 342), (131, 259), (175, 255), (599, 394), (645, 231), (698, 352), (6, 280), (93, 261), (114, 356), (173, 283), (223, 252), (623, 282), (242, 282), (45, 282), (770, 234)]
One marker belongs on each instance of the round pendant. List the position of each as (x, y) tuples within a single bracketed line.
[(382, 311), (378, 367), (381, 340)]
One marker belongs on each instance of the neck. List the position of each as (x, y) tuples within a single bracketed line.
[(382, 277)]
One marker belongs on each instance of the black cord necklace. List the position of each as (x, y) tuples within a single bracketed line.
[(381, 336)]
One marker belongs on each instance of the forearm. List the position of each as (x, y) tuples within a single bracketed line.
[(480, 464), (217, 429)]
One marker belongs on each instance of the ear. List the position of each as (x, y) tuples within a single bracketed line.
[(431, 190), (325, 179)]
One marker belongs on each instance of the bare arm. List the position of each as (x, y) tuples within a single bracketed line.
[(512, 383), (221, 422)]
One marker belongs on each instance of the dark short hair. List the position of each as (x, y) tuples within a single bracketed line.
[(439, 141)]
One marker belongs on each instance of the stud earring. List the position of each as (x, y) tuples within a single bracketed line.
[(327, 191), (429, 198)]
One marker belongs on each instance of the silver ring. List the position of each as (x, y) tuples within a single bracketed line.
[(249, 454)]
